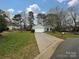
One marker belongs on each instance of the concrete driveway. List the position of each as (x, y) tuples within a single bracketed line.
[(46, 44)]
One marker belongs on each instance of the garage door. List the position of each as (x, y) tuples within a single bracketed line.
[(39, 30)]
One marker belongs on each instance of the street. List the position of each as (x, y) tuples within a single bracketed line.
[(69, 49)]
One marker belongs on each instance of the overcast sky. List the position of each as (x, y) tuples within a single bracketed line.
[(36, 6)]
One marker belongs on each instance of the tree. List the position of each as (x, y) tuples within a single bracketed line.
[(41, 18), (31, 18), (58, 16), (51, 20), (61, 15), (73, 15), (24, 19), (3, 25), (18, 19)]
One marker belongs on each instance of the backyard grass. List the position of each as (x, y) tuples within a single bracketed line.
[(64, 36), (18, 45)]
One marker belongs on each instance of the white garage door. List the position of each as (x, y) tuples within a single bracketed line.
[(39, 30)]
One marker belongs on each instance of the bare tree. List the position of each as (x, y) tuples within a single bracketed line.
[(51, 19), (73, 15), (61, 17)]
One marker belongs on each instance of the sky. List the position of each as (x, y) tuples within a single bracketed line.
[(16, 6)]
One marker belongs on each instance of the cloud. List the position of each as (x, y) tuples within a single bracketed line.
[(73, 3), (43, 12), (60, 1), (34, 8), (19, 11), (70, 3), (11, 10)]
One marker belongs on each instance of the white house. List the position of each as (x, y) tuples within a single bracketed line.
[(13, 27), (39, 28)]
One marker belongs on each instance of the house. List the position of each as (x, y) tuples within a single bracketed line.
[(13, 27), (49, 28), (39, 28)]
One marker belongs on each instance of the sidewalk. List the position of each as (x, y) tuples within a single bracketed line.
[(46, 44)]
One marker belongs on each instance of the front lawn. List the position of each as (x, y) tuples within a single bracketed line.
[(65, 35), (18, 45)]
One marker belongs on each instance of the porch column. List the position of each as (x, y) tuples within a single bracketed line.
[(49, 28)]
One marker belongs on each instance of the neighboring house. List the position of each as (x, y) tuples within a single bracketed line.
[(13, 27)]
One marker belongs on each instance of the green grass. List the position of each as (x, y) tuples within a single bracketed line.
[(14, 43), (66, 35)]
